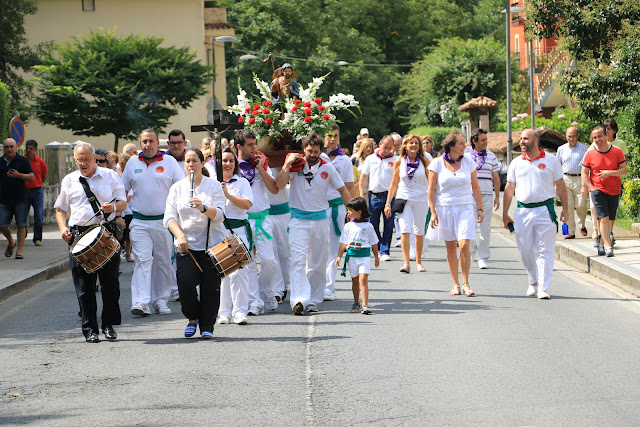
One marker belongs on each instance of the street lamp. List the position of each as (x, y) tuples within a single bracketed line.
[(215, 105), (244, 57)]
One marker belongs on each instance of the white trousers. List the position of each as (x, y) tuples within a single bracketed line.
[(334, 245), (536, 239), (484, 237), (153, 274), (262, 286), (280, 227), (308, 241), (233, 288), (575, 200)]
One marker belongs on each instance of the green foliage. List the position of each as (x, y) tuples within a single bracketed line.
[(453, 73), (560, 120), (4, 111), (438, 133), (101, 84), (603, 39), (15, 56), (629, 132)]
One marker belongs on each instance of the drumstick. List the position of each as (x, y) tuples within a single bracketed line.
[(194, 260), (97, 213)]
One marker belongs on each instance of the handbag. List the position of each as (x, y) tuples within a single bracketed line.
[(113, 226), (398, 205)]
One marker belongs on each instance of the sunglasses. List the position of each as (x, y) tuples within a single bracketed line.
[(101, 161)]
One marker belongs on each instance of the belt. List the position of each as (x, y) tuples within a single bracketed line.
[(572, 174), (239, 223), (334, 204), (259, 217), (281, 209), (356, 253), (549, 203), (308, 215), (137, 215), (384, 193), (34, 189)]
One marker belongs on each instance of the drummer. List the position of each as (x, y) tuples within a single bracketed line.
[(194, 221), (109, 191)]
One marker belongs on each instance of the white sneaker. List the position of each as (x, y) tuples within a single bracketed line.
[(482, 264), (140, 309), (311, 308), (398, 244), (223, 320), (543, 295), (254, 311), (239, 319), (273, 304), (161, 307), (532, 290), (329, 296), (175, 297), (412, 255), (385, 257)]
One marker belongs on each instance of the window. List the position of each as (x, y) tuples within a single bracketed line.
[(516, 46), (88, 5)]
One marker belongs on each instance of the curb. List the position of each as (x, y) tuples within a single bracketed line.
[(44, 273)]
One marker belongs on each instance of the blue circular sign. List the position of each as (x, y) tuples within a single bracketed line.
[(16, 130)]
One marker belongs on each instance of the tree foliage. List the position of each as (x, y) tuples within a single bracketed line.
[(101, 84), (15, 56), (4, 111)]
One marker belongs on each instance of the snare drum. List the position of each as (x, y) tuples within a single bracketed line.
[(94, 248), (229, 255)]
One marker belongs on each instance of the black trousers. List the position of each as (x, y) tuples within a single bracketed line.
[(85, 284), (204, 310)]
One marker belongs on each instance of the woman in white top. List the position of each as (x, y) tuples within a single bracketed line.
[(234, 300), (453, 186), (409, 184), (193, 217)]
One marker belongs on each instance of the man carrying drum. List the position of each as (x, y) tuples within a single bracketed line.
[(109, 192)]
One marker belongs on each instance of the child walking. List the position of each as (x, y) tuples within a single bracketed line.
[(358, 238)]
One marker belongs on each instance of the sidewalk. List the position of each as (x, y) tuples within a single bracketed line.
[(622, 270), (39, 263)]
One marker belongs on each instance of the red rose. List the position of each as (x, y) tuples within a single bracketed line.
[(307, 104), (325, 116), (265, 111), (256, 112), (317, 100), (297, 101), (265, 103), (268, 122), (307, 111), (241, 119), (307, 119), (256, 107), (246, 110), (321, 107), (252, 121), (268, 103), (294, 108)]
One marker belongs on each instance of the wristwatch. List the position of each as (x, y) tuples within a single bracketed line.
[(204, 208)]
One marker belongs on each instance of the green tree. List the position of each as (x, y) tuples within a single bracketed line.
[(4, 111), (101, 84), (15, 56)]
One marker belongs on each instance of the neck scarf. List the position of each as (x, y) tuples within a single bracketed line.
[(212, 162), (247, 170), (412, 167), (381, 157), (336, 152), (479, 157), (448, 158), (159, 154), (360, 220), (232, 179), (541, 154)]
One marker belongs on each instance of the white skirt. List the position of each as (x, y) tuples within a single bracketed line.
[(454, 223)]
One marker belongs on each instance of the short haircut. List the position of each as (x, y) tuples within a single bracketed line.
[(177, 132), (242, 135), (236, 168), (359, 204), (102, 151), (83, 144), (31, 143), (601, 127), (149, 130), (611, 123), (313, 139), (335, 127), (384, 138), (450, 140), (475, 135)]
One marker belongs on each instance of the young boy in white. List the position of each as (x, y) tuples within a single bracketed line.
[(358, 239)]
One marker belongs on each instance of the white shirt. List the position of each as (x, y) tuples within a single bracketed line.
[(180, 163), (259, 188), (105, 185), (312, 196), (281, 197), (412, 189), (535, 180), (241, 188), (344, 167), (453, 188), (151, 183), (485, 173), (192, 222), (380, 172), (211, 167), (359, 235)]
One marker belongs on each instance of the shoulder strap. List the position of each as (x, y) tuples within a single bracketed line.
[(92, 198), (206, 245)]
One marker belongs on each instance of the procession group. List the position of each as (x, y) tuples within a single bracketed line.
[(298, 223)]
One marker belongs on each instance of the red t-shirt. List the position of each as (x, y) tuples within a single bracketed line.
[(40, 169), (597, 161)]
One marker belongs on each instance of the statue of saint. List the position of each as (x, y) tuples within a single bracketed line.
[(284, 84)]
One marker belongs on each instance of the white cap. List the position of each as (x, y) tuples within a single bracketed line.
[(364, 131)]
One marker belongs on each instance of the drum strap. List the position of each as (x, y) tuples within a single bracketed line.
[(92, 197)]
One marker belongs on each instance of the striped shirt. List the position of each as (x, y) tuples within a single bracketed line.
[(485, 173), (571, 158)]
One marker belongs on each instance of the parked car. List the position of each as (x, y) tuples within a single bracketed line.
[(503, 174)]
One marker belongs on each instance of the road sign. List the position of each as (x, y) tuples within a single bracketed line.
[(16, 130)]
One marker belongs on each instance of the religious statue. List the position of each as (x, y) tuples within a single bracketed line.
[(284, 84)]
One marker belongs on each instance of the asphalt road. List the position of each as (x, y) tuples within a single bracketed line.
[(423, 358)]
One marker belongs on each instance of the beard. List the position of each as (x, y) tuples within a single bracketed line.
[(312, 160)]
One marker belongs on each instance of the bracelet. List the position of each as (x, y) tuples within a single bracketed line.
[(479, 210), (388, 204)]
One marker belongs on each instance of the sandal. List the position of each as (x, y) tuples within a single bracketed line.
[(355, 308), (468, 292), (420, 268), (455, 290), (366, 309), (405, 268), (19, 256), (9, 251), (129, 258), (190, 330)]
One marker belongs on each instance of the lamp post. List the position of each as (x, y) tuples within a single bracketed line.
[(244, 57), (215, 105)]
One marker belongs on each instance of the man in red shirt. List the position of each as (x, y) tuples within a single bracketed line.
[(35, 192), (602, 168)]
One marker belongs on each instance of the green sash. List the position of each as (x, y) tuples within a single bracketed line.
[(549, 203), (259, 217), (281, 209), (334, 204), (137, 215), (426, 225), (357, 253), (308, 215), (232, 224)]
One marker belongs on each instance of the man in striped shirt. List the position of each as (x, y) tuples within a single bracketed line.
[(570, 156), (488, 170)]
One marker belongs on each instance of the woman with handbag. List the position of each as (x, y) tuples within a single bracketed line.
[(195, 206), (234, 291), (409, 187)]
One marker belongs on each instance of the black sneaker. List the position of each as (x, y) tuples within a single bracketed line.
[(298, 309), (612, 239), (596, 242), (600, 250)]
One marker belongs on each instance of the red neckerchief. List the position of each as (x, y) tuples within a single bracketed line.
[(383, 157), (322, 162), (156, 158), (541, 155)]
